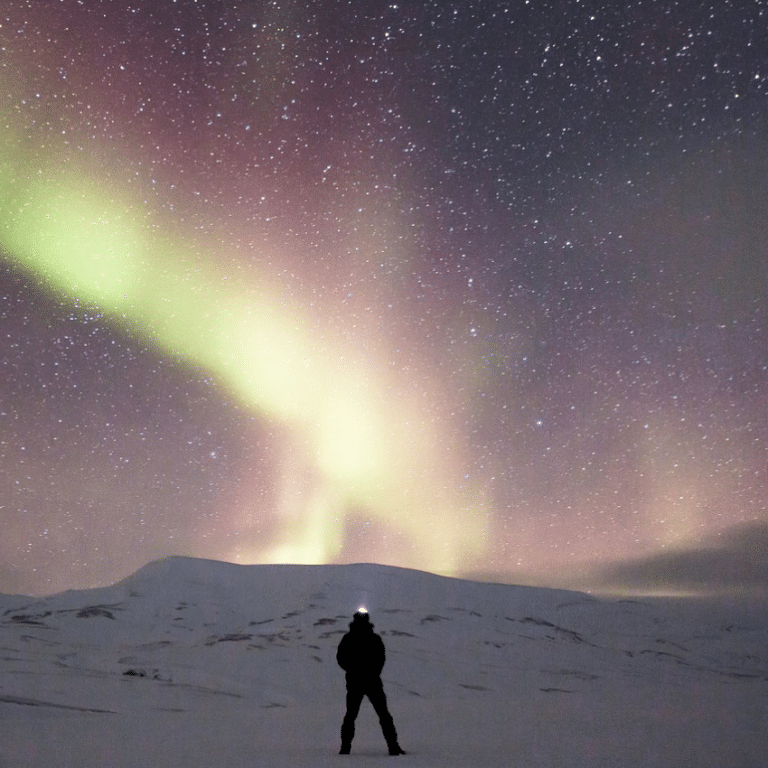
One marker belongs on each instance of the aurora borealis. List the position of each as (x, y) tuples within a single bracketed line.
[(475, 288)]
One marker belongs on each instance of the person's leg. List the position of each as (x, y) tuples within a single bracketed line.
[(375, 692), (354, 698)]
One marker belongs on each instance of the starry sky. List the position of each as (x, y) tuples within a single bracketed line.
[(479, 288)]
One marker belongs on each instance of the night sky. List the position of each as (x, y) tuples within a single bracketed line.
[(479, 288)]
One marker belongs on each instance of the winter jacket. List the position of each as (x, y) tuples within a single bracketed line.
[(361, 651)]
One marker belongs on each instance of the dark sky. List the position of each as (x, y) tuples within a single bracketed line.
[(472, 287)]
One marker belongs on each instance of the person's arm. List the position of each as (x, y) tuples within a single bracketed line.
[(381, 654), (341, 654)]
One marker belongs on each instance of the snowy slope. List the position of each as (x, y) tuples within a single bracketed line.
[(198, 663)]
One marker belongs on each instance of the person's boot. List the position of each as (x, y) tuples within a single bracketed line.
[(390, 734), (347, 734)]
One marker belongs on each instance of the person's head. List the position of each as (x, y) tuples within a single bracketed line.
[(361, 621)]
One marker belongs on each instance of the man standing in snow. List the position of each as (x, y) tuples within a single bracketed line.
[(361, 655)]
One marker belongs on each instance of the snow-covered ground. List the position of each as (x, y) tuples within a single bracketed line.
[(199, 663)]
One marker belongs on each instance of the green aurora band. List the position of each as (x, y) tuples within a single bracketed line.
[(372, 450)]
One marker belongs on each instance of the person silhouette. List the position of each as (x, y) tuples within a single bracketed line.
[(361, 655)]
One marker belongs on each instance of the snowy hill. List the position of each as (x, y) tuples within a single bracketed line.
[(199, 663)]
